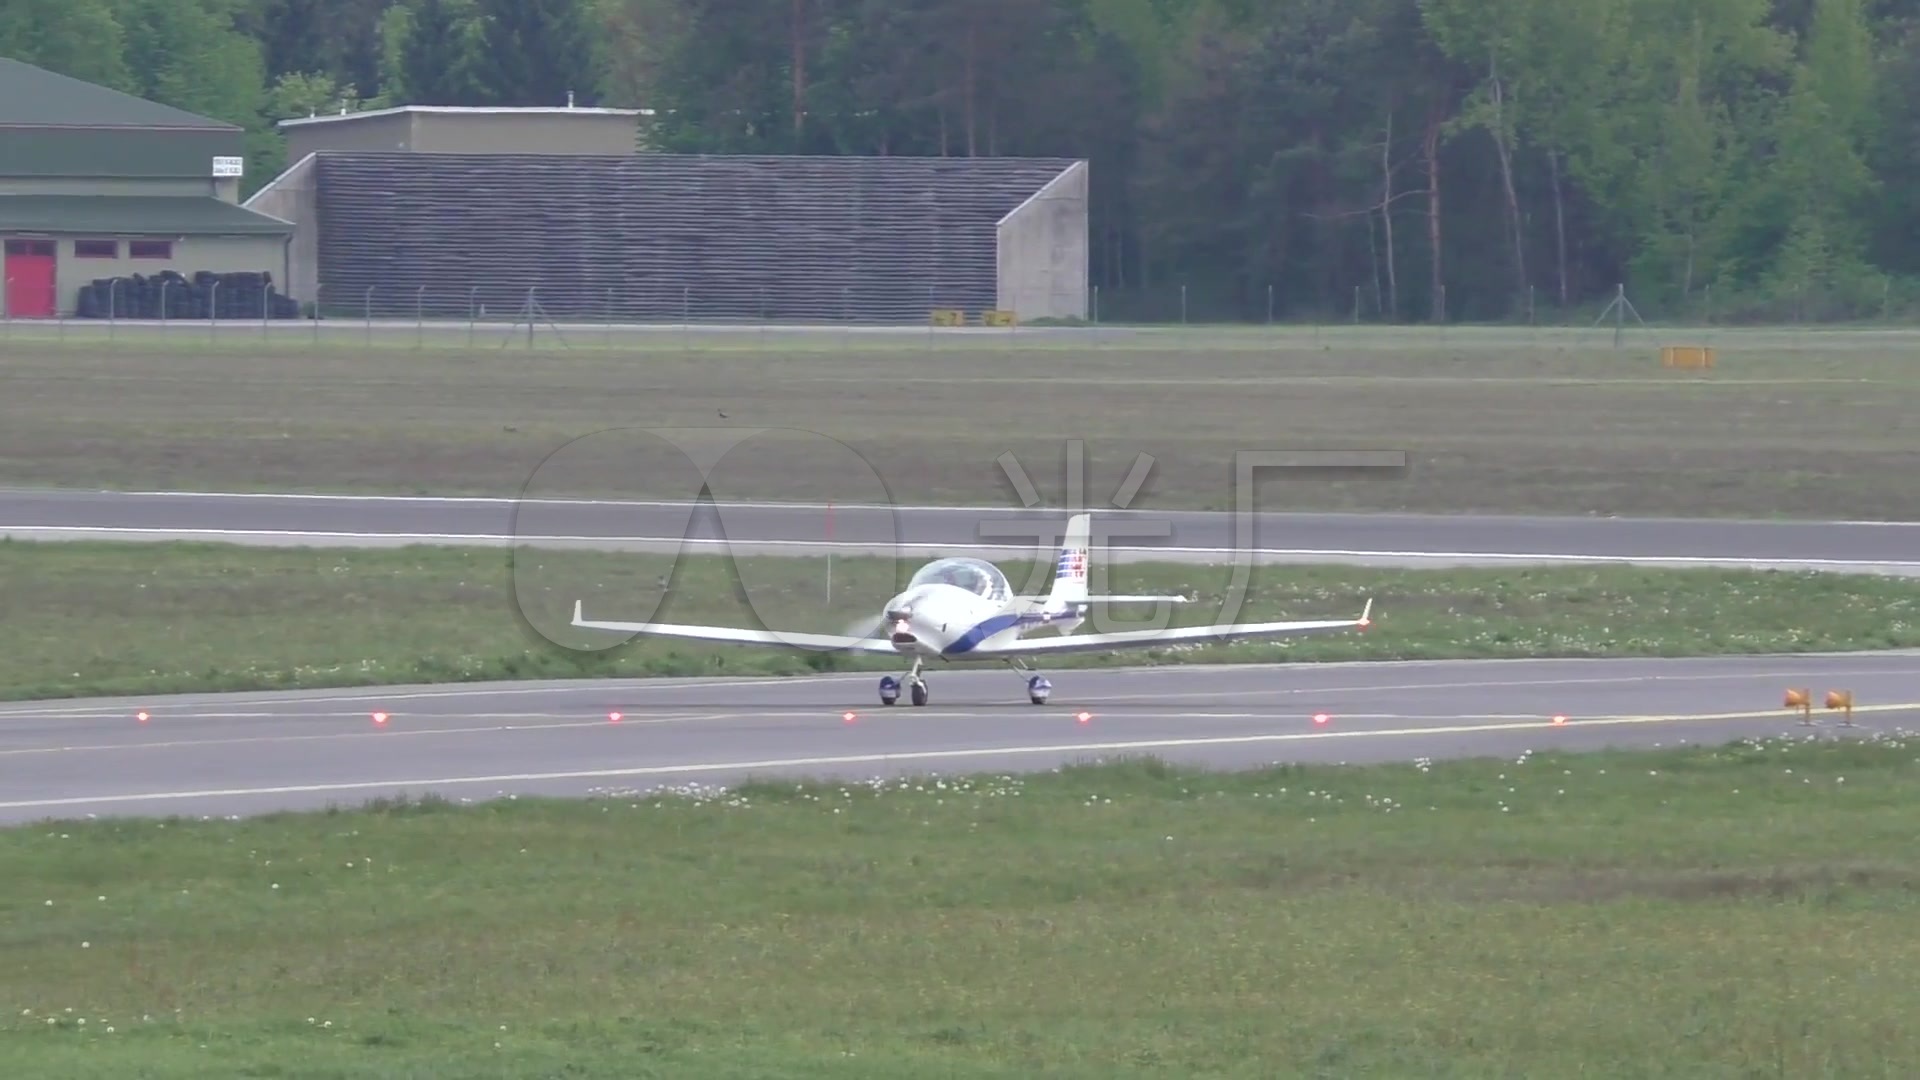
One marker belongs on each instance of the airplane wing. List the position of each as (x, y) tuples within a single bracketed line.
[(738, 635), (1182, 635)]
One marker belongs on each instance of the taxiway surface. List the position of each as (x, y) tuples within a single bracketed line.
[(923, 531), (253, 753)]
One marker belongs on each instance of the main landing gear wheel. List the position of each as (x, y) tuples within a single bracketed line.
[(1038, 688), (890, 690)]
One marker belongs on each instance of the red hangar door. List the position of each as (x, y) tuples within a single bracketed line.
[(30, 279)]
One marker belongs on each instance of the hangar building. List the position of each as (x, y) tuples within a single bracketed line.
[(421, 129), (96, 185), (448, 213)]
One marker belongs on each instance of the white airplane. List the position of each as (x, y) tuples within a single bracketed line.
[(962, 609)]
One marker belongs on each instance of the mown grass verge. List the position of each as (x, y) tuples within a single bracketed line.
[(1494, 421), (99, 619), (1744, 911)]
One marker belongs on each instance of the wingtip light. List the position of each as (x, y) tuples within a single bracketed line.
[(141, 716), (1084, 717), (613, 717), (1321, 718), (379, 718)]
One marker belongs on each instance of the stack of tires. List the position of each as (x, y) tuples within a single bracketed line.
[(172, 295)]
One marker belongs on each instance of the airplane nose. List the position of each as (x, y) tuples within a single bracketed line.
[(899, 613)]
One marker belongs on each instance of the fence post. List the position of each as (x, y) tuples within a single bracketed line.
[(213, 311), (420, 317), (368, 311), (473, 304)]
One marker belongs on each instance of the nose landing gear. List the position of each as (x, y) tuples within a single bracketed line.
[(916, 687)]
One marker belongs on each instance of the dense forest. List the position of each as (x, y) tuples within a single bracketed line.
[(1411, 159)]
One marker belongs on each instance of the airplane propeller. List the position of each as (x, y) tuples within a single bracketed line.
[(866, 626)]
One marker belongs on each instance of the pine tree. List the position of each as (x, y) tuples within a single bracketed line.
[(537, 53)]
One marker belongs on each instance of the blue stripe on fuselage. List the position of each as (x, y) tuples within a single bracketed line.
[(971, 640)]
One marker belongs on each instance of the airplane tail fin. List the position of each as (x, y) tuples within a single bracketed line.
[(1070, 567)]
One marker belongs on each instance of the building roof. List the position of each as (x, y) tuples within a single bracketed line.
[(466, 110), (35, 97), (135, 215)]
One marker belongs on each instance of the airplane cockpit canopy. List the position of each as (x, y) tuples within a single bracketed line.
[(974, 575)]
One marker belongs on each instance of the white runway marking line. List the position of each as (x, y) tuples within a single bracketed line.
[(995, 549), (1487, 684), (656, 504), (1546, 725), (497, 500), (189, 713), (403, 693), (123, 705), (388, 731), (627, 721)]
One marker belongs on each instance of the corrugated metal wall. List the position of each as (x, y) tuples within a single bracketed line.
[(662, 237)]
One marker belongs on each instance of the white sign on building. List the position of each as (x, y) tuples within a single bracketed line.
[(229, 166)]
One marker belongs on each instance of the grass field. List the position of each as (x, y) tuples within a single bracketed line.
[(1739, 912), (140, 618), (1789, 423)]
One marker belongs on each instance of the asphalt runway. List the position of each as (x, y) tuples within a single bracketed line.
[(244, 754), (925, 532)]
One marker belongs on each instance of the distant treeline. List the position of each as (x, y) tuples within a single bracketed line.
[(1457, 159)]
